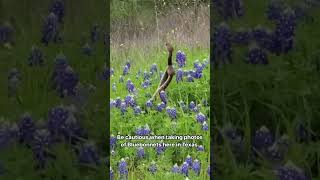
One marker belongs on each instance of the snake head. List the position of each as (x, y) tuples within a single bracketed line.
[(169, 47)]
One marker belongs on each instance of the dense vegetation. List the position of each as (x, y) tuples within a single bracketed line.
[(53, 118), (266, 89)]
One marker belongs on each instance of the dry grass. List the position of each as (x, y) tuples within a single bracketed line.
[(180, 27)]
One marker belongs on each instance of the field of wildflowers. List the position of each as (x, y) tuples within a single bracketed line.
[(266, 56), (53, 122), (138, 61), (183, 109)]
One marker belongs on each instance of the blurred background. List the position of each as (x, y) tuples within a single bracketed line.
[(53, 75)]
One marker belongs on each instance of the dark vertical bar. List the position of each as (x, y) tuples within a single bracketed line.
[(211, 92), (107, 46)]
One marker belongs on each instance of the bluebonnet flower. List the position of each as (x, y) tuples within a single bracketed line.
[(36, 57), (130, 86), (149, 103), (257, 56), (196, 109), (146, 75), (291, 172), (181, 58), (153, 167), (42, 140), (185, 169), (6, 33), (222, 44), (143, 131), (197, 64), (123, 107), (50, 30), (146, 83), (196, 166), (208, 171), (8, 134), (189, 78), (61, 72), (87, 49), (274, 10), (241, 36), (121, 79), (197, 74), (71, 129), (175, 168), (198, 67), (200, 148), (112, 103), (179, 76), (128, 64), (189, 160), (118, 102), (106, 73), (123, 168), (161, 106), (125, 70), (140, 152), (137, 110), (27, 129), (263, 138), (14, 81), (130, 101), (114, 88), (205, 126), (94, 34), (67, 82), (154, 68), (201, 117), (172, 112), (192, 105), (286, 24), (58, 8), (88, 154), (113, 141), (163, 97), (160, 149), (285, 31), (147, 130), (57, 117)]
